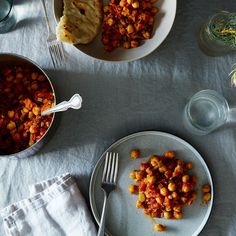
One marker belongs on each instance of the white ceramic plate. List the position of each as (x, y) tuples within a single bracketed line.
[(123, 218), (163, 23)]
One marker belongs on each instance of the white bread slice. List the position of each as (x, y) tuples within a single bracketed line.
[(81, 21)]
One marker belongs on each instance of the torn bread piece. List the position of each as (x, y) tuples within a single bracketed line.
[(81, 21)]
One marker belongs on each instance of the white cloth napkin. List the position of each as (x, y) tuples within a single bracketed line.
[(55, 208)]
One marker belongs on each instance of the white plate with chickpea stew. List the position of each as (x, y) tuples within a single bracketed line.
[(131, 29), (164, 186)]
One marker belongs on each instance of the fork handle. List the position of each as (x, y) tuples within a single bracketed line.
[(103, 217), (46, 16)]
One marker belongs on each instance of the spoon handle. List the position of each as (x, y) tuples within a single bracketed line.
[(63, 106), (75, 103)]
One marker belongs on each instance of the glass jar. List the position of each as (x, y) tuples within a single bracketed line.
[(7, 17), (218, 34)]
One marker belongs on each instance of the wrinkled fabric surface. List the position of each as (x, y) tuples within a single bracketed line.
[(55, 207), (123, 98)]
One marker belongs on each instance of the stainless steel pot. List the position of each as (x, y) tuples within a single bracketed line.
[(14, 59)]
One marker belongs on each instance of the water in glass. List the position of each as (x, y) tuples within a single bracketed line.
[(206, 111)]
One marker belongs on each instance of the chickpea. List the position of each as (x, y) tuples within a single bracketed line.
[(11, 114), (154, 214), (42, 78), (169, 154), (132, 174), (184, 200), (206, 197), (122, 3), (146, 35), (133, 189), (34, 75), (177, 208), (154, 160), (177, 215), (178, 170), (110, 21), (25, 110), (168, 208), (180, 163), (189, 165), (19, 75), (206, 188), (130, 29), (168, 174), (159, 199), (174, 195), (164, 191), (11, 125), (141, 197), (138, 175), (135, 4), (30, 115), (139, 204), (192, 198), (105, 9), (33, 129), (36, 110), (163, 169), (135, 153), (34, 85), (154, 10), (31, 142), (134, 44), (151, 179), (149, 171), (159, 227), (126, 44), (172, 187), (167, 214), (186, 187), (185, 179)]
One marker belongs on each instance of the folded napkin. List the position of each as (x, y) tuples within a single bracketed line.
[(55, 208)]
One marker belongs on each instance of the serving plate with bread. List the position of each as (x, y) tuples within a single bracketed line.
[(80, 22)]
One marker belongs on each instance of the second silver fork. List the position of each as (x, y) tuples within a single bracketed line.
[(54, 46), (109, 178)]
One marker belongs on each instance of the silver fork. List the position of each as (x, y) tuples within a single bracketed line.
[(109, 177), (54, 46)]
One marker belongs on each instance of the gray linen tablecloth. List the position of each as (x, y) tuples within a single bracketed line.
[(120, 99)]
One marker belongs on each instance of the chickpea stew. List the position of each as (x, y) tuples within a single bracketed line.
[(24, 94), (127, 23), (164, 186)]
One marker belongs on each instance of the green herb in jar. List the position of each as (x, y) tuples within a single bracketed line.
[(223, 29)]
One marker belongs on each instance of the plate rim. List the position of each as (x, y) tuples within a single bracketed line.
[(126, 60), (141, 133)]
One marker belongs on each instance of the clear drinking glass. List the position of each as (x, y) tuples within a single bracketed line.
[(217, 35), (7, 17), (205, 111)]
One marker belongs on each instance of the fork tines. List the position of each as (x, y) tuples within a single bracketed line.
[(56, 53), (110, 168), (55, 47)]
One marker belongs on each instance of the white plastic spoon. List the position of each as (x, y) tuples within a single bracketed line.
[(75, 102)]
